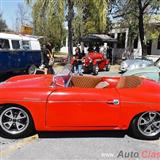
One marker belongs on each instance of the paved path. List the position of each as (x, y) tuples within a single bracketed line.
[(79, 146)]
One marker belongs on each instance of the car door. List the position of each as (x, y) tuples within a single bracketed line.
[(83, 107)]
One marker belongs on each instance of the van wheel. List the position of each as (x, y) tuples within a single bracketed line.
[(15, 122), (31, 69), (146, 126)]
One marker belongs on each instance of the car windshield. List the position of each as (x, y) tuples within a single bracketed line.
[(63, 77), (157, 63)]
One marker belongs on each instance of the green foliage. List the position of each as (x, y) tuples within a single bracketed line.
[(127, 12), (48, 18), (90, 16), (152, 29), (97, 16), (137, 15)]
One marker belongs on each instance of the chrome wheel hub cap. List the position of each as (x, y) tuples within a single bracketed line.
[(14, 120), (96, 69), (149, 123)]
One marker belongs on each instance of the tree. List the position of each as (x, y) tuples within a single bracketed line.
[(3, 25), (135, 11), (70, 17), (48, 20), (95, 22), (142, 7), (90, 17), (22, 17), (125, 14), (46, 12)]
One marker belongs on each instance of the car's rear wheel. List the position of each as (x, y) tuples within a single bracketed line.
[(146, 126), (95, 69), (15, 122)]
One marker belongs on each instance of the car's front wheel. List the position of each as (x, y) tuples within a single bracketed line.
[(95, 69), (146, 126), (15, 122)]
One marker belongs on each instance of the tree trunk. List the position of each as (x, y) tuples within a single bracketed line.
[(141, 29), (130, 46), (70, 30)]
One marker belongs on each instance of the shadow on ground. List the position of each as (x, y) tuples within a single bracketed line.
[(83, 134)]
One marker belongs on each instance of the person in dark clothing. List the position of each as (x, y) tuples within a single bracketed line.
[(49, 48), (90, 48), (97, 49), (46, 54), (109, 54), (78, 61)]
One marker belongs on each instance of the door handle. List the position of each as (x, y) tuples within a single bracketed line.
[(114, 102)]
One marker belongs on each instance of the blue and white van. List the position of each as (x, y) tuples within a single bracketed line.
[(19, 53)]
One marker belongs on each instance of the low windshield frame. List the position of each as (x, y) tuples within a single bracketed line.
[(63, 77)]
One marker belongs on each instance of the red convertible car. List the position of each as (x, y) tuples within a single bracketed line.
[(65, 102), (94, 62)]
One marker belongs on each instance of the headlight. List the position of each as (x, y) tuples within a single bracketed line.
[(132, 67)]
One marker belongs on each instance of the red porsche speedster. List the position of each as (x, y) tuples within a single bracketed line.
[(67, 102)]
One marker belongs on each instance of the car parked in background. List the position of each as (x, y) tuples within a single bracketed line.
[(95, 62), (147, 72), (131, 64), (19, 53), (151, 72)]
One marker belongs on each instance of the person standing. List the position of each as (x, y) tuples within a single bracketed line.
[(51, 58), (48, 60), (78, 61), (109, 54), (97, 49)]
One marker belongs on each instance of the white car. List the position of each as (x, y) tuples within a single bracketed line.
[(151, 72), (131, 64)]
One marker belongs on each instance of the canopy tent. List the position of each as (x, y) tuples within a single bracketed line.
[(98, 38)]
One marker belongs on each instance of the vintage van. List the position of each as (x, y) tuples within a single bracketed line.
[(19, 53)]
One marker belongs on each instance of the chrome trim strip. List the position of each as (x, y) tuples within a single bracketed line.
[(76, 101), (139, 102)]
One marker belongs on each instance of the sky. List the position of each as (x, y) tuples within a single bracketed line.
[(9, 9)]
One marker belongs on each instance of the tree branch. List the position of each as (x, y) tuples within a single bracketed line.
[(146, 4)]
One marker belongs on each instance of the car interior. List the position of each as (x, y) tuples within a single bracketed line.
[(99, 82)]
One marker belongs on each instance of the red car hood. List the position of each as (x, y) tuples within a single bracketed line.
[(29, 81)]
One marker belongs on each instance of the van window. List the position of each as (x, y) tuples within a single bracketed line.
[(4, 44), (26, 45), (15, 44)]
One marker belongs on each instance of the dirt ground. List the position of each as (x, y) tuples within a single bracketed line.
[(115, 68)]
